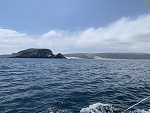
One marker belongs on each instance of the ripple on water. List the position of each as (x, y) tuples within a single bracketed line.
[(45, 85)]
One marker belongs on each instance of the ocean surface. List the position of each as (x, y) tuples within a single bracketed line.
[(73, 85)]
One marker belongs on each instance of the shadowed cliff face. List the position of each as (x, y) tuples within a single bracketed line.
[(34, 53)]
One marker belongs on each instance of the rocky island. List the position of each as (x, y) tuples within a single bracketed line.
[(47, 53), (36, 53)]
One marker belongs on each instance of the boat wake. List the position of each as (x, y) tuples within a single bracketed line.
[(97, 108), (108, 108)]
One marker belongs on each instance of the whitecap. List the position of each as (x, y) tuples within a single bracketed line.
[(107, 108), (101, 108), (54, 110), (97, 108)]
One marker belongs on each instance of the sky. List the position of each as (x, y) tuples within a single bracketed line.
[(75, 26)]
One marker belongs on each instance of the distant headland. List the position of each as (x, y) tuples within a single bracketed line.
[(36, 53), (47, 53), (107, 56)]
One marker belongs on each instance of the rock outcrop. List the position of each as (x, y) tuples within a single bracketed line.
[(36, 53), (59, 55)]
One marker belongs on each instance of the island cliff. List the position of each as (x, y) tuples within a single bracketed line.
[(36, 53)]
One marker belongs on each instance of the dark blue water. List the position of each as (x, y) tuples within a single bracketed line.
[(34, 85)]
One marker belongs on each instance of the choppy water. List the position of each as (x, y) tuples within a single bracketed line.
[(42, 85)]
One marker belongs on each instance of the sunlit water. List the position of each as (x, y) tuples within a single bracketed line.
[(63, 85)]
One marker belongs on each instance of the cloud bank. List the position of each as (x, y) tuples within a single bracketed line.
[(124, 35)]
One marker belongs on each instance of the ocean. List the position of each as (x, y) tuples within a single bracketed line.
[(73, 85)]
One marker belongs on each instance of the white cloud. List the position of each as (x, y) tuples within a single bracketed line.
[(124, 35)]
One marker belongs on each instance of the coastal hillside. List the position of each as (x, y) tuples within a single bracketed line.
[(5, 56), (108, 56), (46, 53)]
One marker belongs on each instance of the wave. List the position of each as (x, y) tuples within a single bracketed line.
[(108, 108), (54, 110), (97, 108)]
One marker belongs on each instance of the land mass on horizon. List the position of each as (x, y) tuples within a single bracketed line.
[(107, 56), (47, 53), (35, 53)]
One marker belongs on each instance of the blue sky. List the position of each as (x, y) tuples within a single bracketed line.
[(60, 19), (40, 16)]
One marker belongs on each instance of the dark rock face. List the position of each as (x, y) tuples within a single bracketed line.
[(34, 53), (59, 55)]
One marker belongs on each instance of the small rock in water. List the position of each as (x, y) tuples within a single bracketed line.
[(59, 55)]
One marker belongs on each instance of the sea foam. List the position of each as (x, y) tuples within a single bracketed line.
[(108, 108), (97, 108)]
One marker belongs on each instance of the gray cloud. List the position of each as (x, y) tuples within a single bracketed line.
[(124, 35)]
